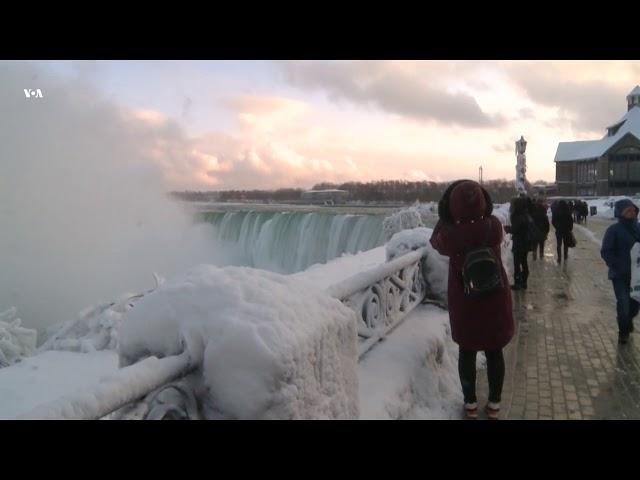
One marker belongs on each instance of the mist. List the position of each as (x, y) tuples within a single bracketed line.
[(84, 216)]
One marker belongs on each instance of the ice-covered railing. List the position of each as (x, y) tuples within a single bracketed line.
[(145, 380), (383, 296)]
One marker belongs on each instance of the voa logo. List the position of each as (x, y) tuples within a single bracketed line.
[(30, 93)]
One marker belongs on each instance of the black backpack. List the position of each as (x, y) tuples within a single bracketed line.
[(481, 271)]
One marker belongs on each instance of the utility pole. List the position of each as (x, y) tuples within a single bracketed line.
[(480, 175)]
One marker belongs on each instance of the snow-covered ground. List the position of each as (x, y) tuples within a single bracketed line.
[(48, 376), (413, 372), (604, 205)]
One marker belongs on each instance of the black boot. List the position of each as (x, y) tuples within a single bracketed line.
[(523, 283), (517, 282), (623, 337)]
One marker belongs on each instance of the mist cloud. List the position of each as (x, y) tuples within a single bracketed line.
[(83, 211)]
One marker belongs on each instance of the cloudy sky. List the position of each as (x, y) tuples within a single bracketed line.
[(270, 124)]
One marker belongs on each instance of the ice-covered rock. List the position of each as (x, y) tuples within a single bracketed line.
[(15, 341), (96, 327), (403, 220), (415, 216)]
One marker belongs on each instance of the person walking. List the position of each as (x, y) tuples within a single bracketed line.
[(585, 212), (521, 244), (562, 221), (481, 322), (616, 252), (541, 221)]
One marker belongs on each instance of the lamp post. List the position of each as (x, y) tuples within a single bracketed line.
[(521, 167)]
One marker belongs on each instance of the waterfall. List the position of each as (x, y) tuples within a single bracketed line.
[(288, 242)]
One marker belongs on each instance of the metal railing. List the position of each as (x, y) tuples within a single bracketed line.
[(383, 296)]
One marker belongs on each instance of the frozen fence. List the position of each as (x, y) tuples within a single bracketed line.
[(383, 296)]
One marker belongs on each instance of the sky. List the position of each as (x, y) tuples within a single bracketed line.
[(216, 125)]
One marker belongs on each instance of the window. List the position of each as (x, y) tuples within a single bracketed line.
[(619, 169)]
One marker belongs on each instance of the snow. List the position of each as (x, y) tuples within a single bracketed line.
[(338, 269), (409, 218), (413, 373), (273, 346), (592, 149), (589, 234), (436, 266), (15, 341), (49, 375), (121, 388)]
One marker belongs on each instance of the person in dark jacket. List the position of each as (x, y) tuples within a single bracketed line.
[(541, 220), (585, 212), (616, 252), (519, 230), (562, 221), (478, 323)]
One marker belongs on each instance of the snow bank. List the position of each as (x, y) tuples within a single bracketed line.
[(414, 372), (604, 205), (15, 341), (48, 376), (273, 346)]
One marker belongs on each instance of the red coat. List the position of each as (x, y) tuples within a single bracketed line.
[(477, 323)]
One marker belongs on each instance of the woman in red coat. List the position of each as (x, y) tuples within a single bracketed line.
[(477, 322)]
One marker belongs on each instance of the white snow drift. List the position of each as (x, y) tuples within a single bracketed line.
[(273, 346)]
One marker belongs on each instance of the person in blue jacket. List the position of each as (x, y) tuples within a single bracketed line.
[(616, 252)]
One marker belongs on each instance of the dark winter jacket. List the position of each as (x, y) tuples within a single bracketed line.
[(541, 219), (562, 219), (519, 228), (477, 323), (618, 241)]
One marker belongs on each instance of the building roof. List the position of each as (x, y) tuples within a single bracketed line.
[(326, 191), (583, 150), (634, 92)]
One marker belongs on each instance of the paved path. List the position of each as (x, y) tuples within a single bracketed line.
[(565, 362)]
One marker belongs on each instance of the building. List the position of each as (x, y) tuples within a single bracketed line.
[(544, 189), (325, 197), (609, 166)]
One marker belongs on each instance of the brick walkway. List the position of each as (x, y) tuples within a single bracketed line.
[(565, 362)]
